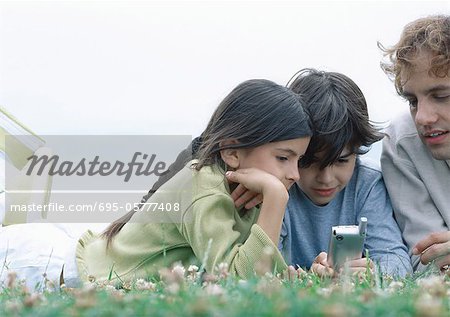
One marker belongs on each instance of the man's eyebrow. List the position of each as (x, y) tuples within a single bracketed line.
[(436, 88), (406, 94)]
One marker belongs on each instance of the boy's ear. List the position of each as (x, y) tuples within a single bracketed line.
[(230, 156)]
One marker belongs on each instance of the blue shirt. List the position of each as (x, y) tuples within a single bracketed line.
[(307, 227)]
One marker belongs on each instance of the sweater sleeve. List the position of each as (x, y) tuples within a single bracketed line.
[(414, 209), (384, 240), (211, 230)]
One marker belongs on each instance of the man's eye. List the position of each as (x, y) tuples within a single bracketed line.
[(442, 98), (412, 102)]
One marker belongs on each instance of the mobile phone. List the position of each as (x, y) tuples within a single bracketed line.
[(346, 243)]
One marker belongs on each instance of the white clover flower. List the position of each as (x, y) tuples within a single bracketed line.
[(243, 282), (143, 285), (11, 279), (214, 290), (192, 268), (223, 267), (434, 285), (395, 286), (173, 288), (325, 292), (430, 282), (179, 270)]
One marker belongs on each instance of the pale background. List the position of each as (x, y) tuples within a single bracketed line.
[(145, 67)]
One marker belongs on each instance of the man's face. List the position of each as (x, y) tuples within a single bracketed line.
[(429, 99)]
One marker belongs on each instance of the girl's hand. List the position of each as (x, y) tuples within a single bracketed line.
[(271, 192), (254, 184), (293, 274), (320, 266)]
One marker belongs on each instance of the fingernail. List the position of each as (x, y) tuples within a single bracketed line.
[(415, 251)]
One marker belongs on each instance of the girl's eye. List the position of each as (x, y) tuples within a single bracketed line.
[(282, 158)]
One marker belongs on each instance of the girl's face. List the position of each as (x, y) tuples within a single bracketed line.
[(321, 186), (277, 158)]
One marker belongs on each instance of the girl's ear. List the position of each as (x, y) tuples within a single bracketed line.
[(230, 156)]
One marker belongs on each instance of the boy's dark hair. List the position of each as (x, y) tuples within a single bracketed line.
[(339, 115)]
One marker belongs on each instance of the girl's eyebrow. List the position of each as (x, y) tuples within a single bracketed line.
[(289, 151)]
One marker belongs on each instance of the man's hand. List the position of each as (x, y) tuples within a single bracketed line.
[(435, 247)]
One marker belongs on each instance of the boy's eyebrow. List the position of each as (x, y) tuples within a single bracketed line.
[(346, 155)]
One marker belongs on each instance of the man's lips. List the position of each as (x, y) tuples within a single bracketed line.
[(435, 136)]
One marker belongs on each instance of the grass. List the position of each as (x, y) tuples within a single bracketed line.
[(187, 293)]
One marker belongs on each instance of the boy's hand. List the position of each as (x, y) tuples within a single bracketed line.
[(358, 265), (320, 266)]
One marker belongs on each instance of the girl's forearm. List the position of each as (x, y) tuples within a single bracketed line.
[(272, 213)]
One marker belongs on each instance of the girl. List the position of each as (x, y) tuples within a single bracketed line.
[(255, 139)]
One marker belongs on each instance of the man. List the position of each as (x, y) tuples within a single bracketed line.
[(416, 153)]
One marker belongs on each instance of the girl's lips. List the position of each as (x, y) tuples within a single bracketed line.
[(325, 192)]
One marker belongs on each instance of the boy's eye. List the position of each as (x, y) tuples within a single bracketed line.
[(342, 161)]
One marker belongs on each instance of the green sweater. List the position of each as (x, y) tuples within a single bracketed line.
[(207, 228)]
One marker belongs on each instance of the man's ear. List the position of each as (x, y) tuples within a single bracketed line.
[(230, 156)]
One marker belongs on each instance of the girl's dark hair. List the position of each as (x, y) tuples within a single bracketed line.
[(339, 115), (254, 113)]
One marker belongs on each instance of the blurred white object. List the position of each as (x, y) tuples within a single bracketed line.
[(17, 144), (25, 190), (2, 187), (32, 249)]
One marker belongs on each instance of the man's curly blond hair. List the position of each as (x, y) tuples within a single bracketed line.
[(430, 35)]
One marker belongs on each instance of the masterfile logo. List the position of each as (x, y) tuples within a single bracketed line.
[(90, 178)]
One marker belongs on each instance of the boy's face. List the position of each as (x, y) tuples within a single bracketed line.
[(429, 99), (321, 186)]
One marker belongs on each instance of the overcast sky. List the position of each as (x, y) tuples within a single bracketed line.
[(145, 67)]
